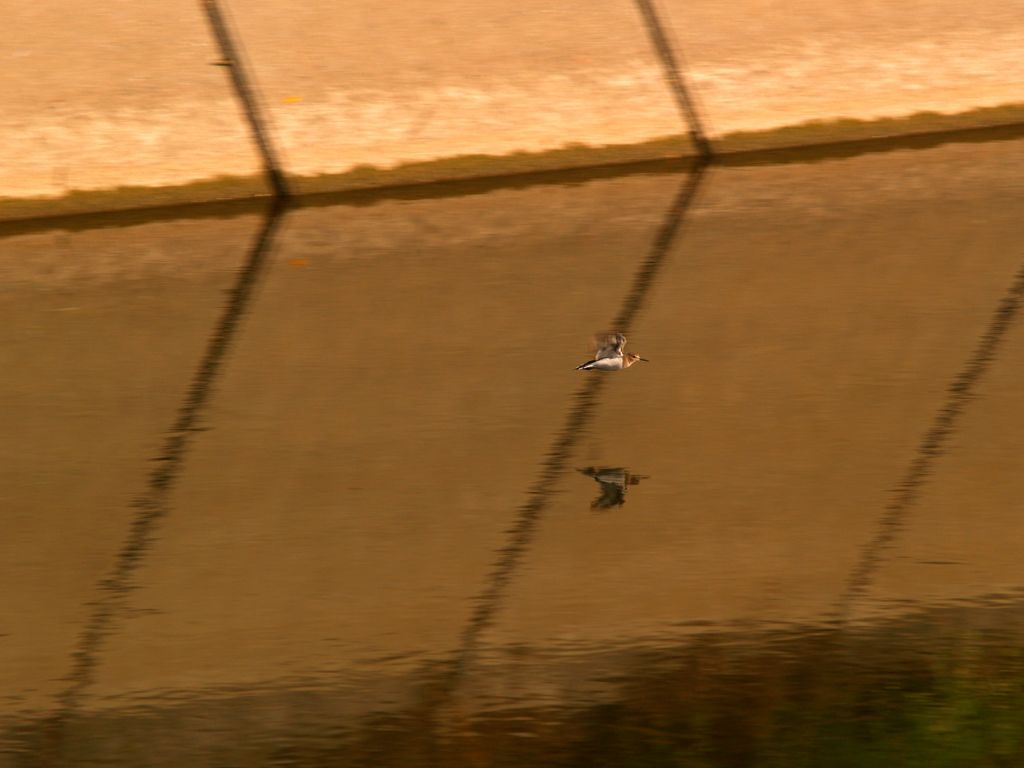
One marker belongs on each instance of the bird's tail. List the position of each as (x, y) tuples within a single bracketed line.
[(585, 366)]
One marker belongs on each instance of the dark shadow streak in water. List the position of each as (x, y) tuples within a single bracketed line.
[(584, 401), (438, 692), (152, 506), (933, 445)]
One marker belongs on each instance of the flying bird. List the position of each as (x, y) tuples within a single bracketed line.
[(609, 355), (613, 481)]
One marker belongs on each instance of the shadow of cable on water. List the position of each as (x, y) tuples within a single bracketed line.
[(904, 495), (438, 694), (584, 401), (838, 640), (48, 744)]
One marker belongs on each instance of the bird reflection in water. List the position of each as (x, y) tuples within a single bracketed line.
[(613, 481)]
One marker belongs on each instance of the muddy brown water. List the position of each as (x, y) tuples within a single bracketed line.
[(326, 490)]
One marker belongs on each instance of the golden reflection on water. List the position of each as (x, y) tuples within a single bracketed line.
[(291, 503)]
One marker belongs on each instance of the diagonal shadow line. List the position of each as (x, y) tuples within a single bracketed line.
[(438, 693), (674, 77), (247, 95), (152, 505), (584, 401), (906, 492)]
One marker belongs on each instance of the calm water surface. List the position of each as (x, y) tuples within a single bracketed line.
[(323, 488)]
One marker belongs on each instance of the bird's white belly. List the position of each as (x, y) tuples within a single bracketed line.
[(607, 364)]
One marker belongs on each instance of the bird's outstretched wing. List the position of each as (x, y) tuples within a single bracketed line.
[(608, 345)]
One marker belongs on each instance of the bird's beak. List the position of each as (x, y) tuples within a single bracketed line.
[(644, 359)]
